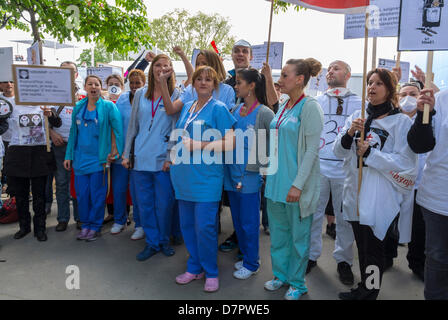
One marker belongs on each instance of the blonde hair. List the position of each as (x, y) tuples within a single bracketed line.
[(214, 61), (207, 71), (137, 73)]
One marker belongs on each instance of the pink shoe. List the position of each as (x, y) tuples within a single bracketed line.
[(211, 285), (83, 234), (187, 277)]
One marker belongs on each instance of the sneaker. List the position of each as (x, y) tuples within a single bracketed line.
[(311, 265), (92, 236), (274, 284), (244, 273), (360, 293), (331, 230), (147, 253), (229, 244), (167, 250), (211, 285), (138, 234), (187, 277), (83, 234), (293, 294), (62, 226), (238, 265), (345, 273), (116, 229)]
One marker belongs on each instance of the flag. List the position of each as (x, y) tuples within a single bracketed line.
[(333, 6)]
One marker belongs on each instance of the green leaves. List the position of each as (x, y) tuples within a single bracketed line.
[(179, 28), (119, 28), (280, 6)]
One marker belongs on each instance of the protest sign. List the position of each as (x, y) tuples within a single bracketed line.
[(5, 64), (275, 55), (319, 83), (390, 64), (33, 54), (102, 73), (39, 85), (194, 57)]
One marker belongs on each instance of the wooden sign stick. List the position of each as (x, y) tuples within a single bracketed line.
[(375, 43), (270, 31), (428, 82)]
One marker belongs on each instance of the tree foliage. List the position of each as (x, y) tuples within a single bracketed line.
[(280, 6), (179, 28), (120, 27)]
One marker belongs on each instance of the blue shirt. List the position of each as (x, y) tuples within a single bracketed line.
[(124, 106), (151, 146), (236, 172), (86, 159), (193, 179), (225, 94)]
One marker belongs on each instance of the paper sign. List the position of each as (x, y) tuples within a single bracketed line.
[(423, 26), (275, 55), (102, 73), (319, 83), (34, 54), (5, 64), (194, 57), (38, 85), (384, 18), (390, 64)]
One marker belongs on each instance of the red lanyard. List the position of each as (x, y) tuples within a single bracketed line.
[(251, 108), (280, 120), (153, 111)]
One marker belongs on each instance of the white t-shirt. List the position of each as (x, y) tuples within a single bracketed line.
[(330, 165), (66, 118), (433, 190), (27, 126), (380, 199), (7, 135)]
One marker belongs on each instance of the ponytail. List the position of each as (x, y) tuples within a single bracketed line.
[(251, 75)]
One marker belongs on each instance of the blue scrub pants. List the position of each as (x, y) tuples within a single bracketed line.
[(175, 225), (245, 208), (135, 211), (199, 225), (120, 182), (154, 196), (290, 243), (91, 191)]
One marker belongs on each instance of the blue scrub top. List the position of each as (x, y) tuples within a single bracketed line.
[(225, 94), (201, 182), (151, 146), (235, 172), (86, 159), (124, 106), (279, 184)]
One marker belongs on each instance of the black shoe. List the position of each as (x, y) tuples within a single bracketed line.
[(388, 264), (177, 241), (331, 230), (419, 273), (78, 225), (228, 245), (21, 233), (167, 250), (360, 293), (345, 273), (41, 236), (62, 226), (311, 265)]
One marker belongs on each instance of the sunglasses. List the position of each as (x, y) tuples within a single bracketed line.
[(340, 107)]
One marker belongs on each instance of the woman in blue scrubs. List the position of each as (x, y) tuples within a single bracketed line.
[(292, 191), (242, 179), (150, 126), (90, 148), (120, 175), (198, 173)]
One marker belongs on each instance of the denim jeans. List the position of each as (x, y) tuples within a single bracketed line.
[(436, 264), (63, 187)]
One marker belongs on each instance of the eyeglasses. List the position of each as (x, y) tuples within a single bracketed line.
[(340, 107)]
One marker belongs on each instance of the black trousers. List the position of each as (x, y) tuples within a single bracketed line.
[(21, 189), (416, 248), (371, 252)]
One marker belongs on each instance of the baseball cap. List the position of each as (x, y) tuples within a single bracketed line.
[(242, 43)]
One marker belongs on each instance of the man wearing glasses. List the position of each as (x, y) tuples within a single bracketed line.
[(337, 103)]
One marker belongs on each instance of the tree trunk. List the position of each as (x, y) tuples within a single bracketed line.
[(34, 26)]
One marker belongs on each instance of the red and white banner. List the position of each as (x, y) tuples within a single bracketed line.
[(333, 6)]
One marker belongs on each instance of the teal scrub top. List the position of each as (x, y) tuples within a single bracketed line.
[(86, 149), (236, 172), (279, 183), (193, 179)]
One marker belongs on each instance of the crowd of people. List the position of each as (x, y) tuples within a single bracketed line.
[(177, 154)]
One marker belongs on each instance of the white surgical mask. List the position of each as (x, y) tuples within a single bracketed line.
[(408, 104), (114, 90)]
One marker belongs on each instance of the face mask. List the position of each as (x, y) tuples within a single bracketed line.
[(408, 104), (114, 90)]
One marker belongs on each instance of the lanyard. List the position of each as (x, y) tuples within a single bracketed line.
[(153, 111), (250, 109), (280, 120), (193, 115)]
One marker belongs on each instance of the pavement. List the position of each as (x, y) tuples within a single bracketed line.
[(108, 270)]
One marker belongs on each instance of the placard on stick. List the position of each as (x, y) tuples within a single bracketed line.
[(423, 26), (41, 85), (5, 64), (390, 64)]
